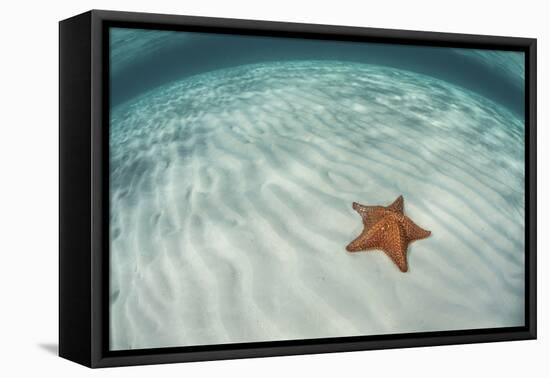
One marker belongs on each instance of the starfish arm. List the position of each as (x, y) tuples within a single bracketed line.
[(370, 214), (397, 205), (389, 236), (413, 231), (395, 246), (360, 243)]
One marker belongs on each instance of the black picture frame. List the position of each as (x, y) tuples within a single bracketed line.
[(83, 194)]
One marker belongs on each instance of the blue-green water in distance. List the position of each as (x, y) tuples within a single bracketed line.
[(142, 59)]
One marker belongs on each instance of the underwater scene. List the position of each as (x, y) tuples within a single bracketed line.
[(267, 189)]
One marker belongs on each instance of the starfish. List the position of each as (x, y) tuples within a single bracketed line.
[(388, 229)]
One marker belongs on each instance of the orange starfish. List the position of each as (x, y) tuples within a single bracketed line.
[(388, 229)]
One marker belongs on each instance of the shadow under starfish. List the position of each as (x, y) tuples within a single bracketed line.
[(388, 229)]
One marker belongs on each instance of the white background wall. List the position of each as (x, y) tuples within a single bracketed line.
[(29, 189)]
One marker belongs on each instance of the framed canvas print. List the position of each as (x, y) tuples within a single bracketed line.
[(234, 188)]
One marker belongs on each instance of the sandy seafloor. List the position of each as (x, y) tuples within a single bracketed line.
[(231, 197)]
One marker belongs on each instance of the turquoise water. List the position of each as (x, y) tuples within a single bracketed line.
[(158, 57), (231, 193)]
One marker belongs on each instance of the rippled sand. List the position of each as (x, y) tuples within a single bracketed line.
[(231, 199)]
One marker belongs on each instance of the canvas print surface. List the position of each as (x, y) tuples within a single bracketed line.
[(266, 189)]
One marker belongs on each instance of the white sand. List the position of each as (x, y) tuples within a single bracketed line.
[(231, 207)]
